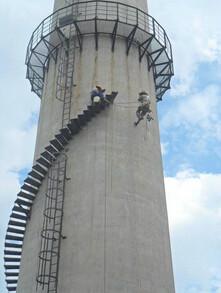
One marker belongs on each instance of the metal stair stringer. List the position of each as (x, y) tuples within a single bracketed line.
[(21, 211)]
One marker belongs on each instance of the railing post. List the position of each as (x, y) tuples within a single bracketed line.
[(42, 28), (165, 41), (154, 30), (137, 16), (106, 10), (117, 11), (96, 10)]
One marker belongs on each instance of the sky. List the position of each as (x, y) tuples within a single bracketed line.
[(190, 126)]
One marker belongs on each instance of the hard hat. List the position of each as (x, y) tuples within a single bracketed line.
[(143, 93), (96, 99)]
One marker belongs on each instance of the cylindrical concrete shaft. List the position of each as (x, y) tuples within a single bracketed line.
[(142, 4), (115, 217)]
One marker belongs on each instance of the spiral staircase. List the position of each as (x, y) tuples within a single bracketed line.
[(21, 211)]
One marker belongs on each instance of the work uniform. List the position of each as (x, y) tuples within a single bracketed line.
[(97, 95), (144, 108)]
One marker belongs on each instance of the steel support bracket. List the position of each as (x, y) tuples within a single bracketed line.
[(130, 38), (79, 36), (147, 43), (64, 40), (96, 33), (159, 51), (114, 35)]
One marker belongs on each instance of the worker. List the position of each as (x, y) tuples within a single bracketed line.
[(97, 95), (144, 107)]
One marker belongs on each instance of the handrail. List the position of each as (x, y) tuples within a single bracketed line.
[(95, 10), (118, 4)]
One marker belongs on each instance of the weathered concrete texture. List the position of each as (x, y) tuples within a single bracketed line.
[(115, 212), (115, 215)]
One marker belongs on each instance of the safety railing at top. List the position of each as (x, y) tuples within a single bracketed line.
[(102, 11), (106, 10)]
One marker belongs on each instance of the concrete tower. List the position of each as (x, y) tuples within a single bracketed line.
[(91, 216)]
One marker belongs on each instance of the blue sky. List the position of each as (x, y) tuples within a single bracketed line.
[(190, 125)]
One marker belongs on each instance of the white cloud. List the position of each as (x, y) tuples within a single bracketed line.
[(213, 50), (199, 116), (191, 195), (183, 197), (164, 148), (194, 29), (194, 208)]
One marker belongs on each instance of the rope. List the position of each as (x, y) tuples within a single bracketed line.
[(127, 107), (127, 103)]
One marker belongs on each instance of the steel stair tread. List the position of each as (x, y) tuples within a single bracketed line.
[(11, 274), (51, 150), (97, 108), (108, 97), (11, 267), (14, 230), (66, 133), (20, 210), (22, 202), (26, 195), (11, 289), (12, 259), (56, 144), (36, 175), (39, 169), (18, 216), (12, 281), (32, 182), (43, 162), (87, 115), (29, 188), (72, 129), (14, 237), (113, 95), (74, 126), (13, 245), (60, 137), (48, 156), (16, 223), (82, 119), (91, 110), (12, 252)]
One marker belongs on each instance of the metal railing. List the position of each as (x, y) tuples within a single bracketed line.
[(102, 10), (91, 11)]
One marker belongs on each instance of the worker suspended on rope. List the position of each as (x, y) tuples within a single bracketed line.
[(97, 95), (144, 107)]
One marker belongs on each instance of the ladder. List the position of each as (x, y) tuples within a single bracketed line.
[(51, 234), (60, 84), (69, 76), (65, 76)]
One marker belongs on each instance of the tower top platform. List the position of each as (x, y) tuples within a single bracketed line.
[(98, 18)]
